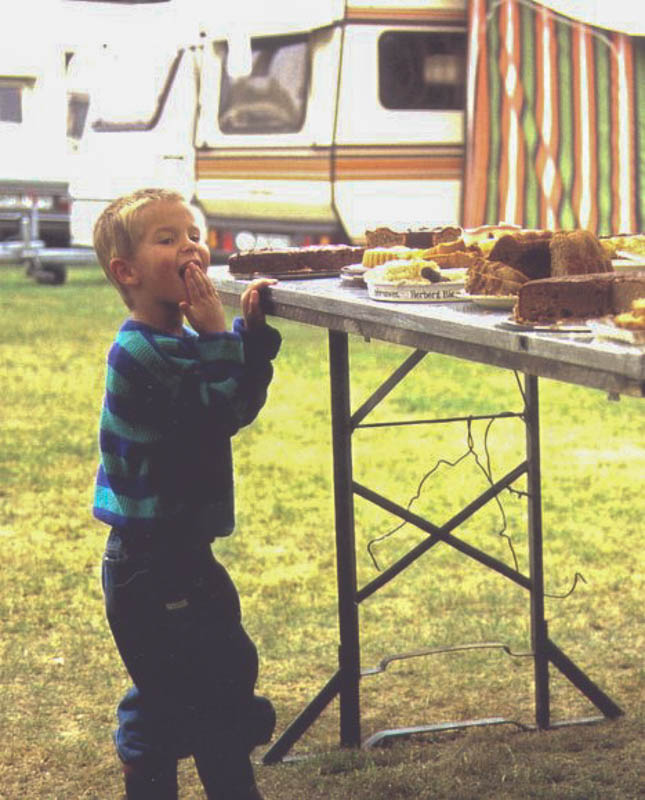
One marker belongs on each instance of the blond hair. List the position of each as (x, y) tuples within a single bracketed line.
[(116, 233)]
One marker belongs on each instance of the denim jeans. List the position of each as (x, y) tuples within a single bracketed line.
[(176, 620)]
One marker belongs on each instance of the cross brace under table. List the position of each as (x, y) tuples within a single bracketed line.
[(346, 680)]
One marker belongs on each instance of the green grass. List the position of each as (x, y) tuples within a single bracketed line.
[(59, 672)]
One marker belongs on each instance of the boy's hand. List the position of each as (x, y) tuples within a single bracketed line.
[(203, 308), (251, 305)]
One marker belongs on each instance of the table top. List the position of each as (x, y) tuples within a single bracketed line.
[(460, 329)]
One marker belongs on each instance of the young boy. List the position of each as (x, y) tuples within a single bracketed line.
[(174, 398)]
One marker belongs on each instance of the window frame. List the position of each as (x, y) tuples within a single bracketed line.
[(104, 126), (227, 84), (424, 87)]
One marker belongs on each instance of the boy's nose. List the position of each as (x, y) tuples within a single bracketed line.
[(188, 244)]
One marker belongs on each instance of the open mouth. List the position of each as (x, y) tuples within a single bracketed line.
[(184, 267)]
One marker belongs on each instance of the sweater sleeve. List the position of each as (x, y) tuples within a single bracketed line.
[(171, 405), (237, 390)]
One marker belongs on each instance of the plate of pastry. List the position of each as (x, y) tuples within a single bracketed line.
[(414, 281)]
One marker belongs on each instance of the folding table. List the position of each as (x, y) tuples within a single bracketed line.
[(463, 331)]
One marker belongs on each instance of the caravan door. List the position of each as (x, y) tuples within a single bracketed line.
[(140, 122), (399, 139), (264, 139)]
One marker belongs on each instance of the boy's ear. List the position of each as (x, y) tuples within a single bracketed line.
[(124, 272)]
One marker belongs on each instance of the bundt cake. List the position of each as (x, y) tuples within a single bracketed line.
[(527, 252), (577, 253)]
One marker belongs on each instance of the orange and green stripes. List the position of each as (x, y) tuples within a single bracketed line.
[(557, 116), (340, 163)]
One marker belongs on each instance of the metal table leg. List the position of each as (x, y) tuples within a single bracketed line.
[(536, 571), (345, 682), (349, 651)]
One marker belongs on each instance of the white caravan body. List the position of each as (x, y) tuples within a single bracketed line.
[(289, 129), (33, 128)]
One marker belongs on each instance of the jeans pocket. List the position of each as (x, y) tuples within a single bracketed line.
[(125, 581)]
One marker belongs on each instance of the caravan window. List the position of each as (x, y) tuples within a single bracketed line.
[(272, 97), (11, 99), (130, 89), (422, 70)]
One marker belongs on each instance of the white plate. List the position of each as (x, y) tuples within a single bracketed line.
[(605, 329), (426, 292), (557, 327), (492, 300), (628, 263)]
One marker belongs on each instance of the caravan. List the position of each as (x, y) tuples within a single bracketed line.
[(33, 138), (311, 126), (296, 128)]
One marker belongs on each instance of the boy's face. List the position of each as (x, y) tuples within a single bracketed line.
[(169, 240)]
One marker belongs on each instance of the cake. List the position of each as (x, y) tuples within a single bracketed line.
[(402, 271), (458, 260), (494, 278), (411, 237), (578, 296), (528, 252), (577, 253), (294, 260), (634, 319), (624, 243), (373, 256)]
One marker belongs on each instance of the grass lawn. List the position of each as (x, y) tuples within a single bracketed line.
[(60, 675)]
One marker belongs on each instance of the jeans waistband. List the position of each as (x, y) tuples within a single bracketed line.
[(150, 547)]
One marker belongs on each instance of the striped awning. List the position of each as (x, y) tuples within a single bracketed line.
[(555, 121)]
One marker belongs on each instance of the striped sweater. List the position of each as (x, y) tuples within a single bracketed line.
[(170, 409)]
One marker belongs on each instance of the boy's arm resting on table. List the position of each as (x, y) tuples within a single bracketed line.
[(154, 380), (237, 387)]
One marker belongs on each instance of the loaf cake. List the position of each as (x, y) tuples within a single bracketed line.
[(578, 296), (412, 237), (294, 260)]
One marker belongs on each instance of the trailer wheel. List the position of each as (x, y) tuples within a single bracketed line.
[(50, 274)]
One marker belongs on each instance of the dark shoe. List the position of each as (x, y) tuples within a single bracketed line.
[(262, 721)]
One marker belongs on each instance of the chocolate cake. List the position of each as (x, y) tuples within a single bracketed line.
[(294, 260), (527, 252), (578, 296)]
